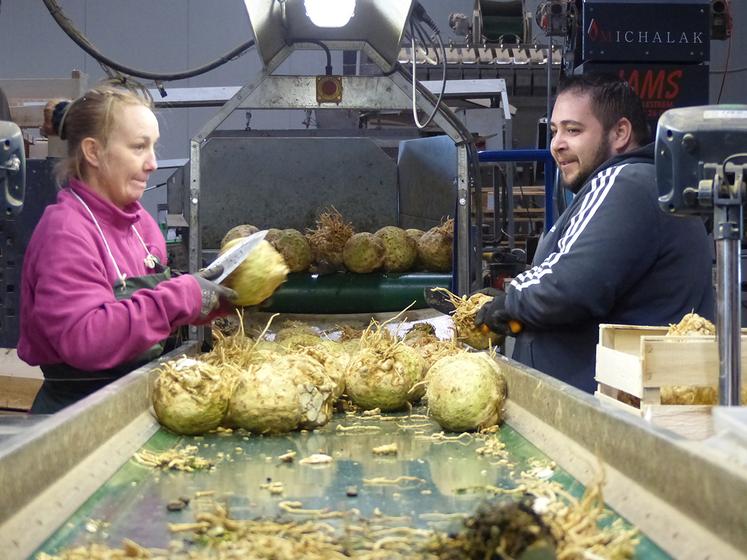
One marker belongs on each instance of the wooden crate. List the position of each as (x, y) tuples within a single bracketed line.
[(19, 382), (639, 360)]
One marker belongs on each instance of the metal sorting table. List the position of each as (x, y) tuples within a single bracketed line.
[(75, 466), (451, 480)]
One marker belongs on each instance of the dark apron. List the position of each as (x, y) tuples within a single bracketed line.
[(63, 384)]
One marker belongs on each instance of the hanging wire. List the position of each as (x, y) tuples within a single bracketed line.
[(82, 41), (726, 72), (437, 35)]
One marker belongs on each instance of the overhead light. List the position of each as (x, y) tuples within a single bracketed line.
[(330, 13)]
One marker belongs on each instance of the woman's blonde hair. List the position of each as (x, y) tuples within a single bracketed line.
[(90, 116)]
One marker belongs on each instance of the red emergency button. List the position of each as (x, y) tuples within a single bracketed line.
[(329, 89)]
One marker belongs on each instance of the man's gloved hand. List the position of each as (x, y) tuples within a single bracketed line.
[(494, 315), (492, 292), (213, 295)]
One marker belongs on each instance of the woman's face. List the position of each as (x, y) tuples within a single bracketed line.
[(129, 156)]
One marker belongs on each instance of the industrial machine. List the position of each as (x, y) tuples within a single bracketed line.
[(12, 167), (70, 478), (26, 202), (13, 185), (220, 176), (661, 48), (57, 493), (700, 170)]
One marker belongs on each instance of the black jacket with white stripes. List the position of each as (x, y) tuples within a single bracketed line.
[(612, 257)]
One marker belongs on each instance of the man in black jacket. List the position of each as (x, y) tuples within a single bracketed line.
[(613, 256)]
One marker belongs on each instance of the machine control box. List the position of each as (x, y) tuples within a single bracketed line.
[(660, 86), (691, 142), (637, 30)]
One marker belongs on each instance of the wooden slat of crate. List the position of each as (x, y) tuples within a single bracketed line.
[(17, 393), (627, 338), (618, 360), (633, 358), (639, 360), (619, 369), (693, 421), (19, 382), (608, 395), (682, 360)]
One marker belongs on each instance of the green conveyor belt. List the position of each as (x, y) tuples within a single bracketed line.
[(344, 292), (132, 503)]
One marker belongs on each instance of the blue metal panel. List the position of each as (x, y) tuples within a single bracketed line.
[(529, 155)]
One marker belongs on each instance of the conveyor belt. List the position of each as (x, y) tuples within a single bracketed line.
[(345, 292), (451, 479), (681, 494)]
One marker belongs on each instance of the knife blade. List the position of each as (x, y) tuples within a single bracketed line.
[(438, 300), (232, 258)]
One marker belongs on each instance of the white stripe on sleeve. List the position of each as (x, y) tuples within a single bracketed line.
[(600, 187)]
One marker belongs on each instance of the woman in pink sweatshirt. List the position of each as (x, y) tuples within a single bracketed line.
[(97, 300)]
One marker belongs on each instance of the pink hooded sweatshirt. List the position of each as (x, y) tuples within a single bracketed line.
[(69, 313)]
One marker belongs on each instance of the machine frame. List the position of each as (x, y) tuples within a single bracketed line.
[(681, 493), (390, 92)]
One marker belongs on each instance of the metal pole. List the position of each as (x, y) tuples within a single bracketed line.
[(463, 225), (549, 94), (510, 223), (728, 220)]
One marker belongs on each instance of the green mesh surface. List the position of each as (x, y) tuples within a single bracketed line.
[(132, 504)]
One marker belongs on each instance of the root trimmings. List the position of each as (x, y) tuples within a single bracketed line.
[(465, 310), (328, 239), (693, 324)]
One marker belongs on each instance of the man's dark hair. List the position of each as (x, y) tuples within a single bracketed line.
[(611, 100)]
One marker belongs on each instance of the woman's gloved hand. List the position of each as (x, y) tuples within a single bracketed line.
[(214, 296)]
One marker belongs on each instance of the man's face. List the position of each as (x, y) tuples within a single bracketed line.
[(579, 144)]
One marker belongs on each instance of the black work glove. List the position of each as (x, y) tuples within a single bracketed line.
[(494, 315), (492, 292), (213, 295)]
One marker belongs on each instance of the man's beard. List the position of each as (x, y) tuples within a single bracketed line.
[(600, 156)]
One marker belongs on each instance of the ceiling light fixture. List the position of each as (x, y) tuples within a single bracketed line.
[(330, 13)]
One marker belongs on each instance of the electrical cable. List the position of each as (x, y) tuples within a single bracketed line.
[(423, 34), (729, 71), (328, 67), (68, 27), (425, 18), (726, 72), (733, 156), (525, 202), (414, 89)]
